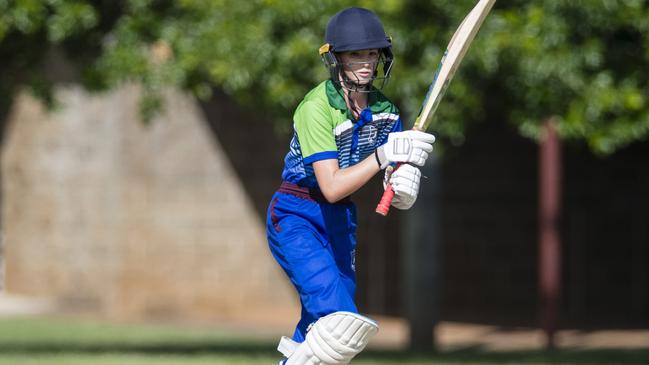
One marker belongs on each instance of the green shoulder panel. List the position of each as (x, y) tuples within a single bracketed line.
[(314, 121)]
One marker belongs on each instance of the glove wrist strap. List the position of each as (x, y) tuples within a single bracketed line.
[(381, 159)]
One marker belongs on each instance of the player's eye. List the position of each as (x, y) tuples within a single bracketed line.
[(373, 55)]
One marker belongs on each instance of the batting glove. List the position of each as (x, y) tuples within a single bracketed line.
[(407, 147), (405, 184)]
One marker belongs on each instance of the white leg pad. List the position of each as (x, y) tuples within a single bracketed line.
[(287, 346), (334, 340)]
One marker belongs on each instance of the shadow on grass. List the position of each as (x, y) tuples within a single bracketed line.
[(465, 356), (479, 356)]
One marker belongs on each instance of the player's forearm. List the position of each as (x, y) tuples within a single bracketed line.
[(336, 183)]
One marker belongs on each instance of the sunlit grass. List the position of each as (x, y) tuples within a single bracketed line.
[(27, 341)]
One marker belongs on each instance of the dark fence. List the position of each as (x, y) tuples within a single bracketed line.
[(488, 225)]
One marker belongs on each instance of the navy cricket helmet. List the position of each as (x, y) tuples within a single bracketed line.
[(355, 29)]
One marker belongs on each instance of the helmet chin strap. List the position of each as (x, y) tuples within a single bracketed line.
[(353, 106)]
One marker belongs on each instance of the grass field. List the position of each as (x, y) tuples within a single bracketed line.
[(65, 341)]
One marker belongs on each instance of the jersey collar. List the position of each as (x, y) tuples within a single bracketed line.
[(336, 99)]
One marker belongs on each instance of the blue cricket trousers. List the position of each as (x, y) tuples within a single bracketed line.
[(315, 243)]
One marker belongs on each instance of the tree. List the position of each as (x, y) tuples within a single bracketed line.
[(579, 61)]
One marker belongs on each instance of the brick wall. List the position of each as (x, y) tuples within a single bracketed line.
[(104, 213)]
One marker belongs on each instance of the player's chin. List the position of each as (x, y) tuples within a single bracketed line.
[(364, 80)]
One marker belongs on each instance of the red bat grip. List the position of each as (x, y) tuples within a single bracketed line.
[(386, 200)]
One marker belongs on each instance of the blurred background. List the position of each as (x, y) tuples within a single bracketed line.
[(142, 140)]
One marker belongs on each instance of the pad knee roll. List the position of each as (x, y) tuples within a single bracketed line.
[(334, 340)]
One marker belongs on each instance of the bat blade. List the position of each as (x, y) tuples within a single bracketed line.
[(452, 58)]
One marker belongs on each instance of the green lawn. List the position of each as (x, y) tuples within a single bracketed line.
[(59, 341)]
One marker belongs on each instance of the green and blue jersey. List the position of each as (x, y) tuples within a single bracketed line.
[(324, 129)]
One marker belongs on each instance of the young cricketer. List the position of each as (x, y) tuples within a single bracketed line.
[(345, 131)]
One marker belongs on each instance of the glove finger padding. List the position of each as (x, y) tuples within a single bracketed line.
[(424, 146), (405, 180), (419, 158), (422, 136)]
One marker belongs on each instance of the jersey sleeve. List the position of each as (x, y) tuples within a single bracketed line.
[(314, 128)]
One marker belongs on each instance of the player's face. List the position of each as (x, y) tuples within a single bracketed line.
[(359, 66)]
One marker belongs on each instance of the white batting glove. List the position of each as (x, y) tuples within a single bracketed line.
[(408, 147), (405, 184)]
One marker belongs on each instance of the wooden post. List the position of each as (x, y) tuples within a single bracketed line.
[(421, 252), (549, 233)]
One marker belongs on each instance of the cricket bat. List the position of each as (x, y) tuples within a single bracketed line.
[(455, 51)]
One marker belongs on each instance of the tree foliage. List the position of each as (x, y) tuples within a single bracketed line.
[(581, 62)]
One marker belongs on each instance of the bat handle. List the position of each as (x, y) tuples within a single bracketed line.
[(386, 200)]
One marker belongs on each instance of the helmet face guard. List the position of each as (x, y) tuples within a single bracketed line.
[(337, 74), (355, 29)]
